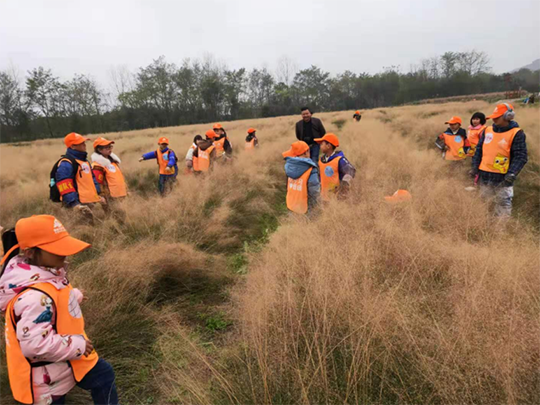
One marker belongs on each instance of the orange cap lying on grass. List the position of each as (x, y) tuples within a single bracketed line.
[(297, 149), (399, 196)]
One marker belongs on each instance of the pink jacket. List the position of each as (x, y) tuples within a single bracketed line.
[(35, 315)]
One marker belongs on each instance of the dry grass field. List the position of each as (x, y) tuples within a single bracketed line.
[(215, 294)]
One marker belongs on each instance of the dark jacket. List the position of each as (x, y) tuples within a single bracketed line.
[(317, 129), (250, 137), (518, 156), (65, 171), (203, 146)]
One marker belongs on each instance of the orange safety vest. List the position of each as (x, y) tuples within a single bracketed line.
[(329, 177), (220, 146), (162, 161), (85, 183), (203, 163), (115, 179), (195, 159), (473, 135), (297, 193), (455, 145), (69, 321), (250, 145), (496, 150)]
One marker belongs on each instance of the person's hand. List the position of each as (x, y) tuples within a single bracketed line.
[(169, 169), (509, 180), (473, 173), (102, 201), (89, 347), (141, 159)]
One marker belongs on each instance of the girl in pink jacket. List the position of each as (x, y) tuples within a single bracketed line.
[(53, 358)]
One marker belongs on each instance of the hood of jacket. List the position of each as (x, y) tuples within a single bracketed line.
[(75, 154), (102, 160), (19, 274), (205, 144), (295, 167), (513, 124)]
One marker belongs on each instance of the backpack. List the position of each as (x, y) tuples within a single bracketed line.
[(54, 194), (9, 239)]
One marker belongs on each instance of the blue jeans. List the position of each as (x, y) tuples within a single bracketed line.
[(166, 182), (314, 151), (100, 381)]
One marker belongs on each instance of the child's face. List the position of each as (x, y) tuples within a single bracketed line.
[(454, 127), (163, 146), (326, 147), (476, 122), (45, 259)]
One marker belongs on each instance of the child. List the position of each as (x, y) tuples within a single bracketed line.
[(106, 168), (478, 125), (166, 160), (357, 116), (222, 143), (251, 139), (205, 154), (303, 185), (191, 162), (47, 349), (336, 171), (453, 142)]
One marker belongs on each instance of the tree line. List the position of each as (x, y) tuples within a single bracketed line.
[(165, 94)]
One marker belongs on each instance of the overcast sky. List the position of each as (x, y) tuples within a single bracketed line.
[(91, 36)]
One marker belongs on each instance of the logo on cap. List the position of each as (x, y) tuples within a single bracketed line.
[(58, 227)]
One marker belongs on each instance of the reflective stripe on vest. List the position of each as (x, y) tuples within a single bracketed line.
[(329, 177), (69, 321), (162, 161), (455, 144), (250, 145), (473, 135), (115, 179), (297, 193), (496, 150), (85, 183), (203, 162)]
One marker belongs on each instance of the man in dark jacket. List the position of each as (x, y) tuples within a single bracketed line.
[(309, 128), (500, 155)]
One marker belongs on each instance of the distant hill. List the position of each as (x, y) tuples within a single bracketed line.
[(533, 66)]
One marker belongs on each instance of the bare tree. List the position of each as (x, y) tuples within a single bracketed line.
[(122, 82), (286, 70)]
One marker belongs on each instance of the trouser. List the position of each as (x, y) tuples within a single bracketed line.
[(166, 183), (100, 381), (314, 151), (501, 198)]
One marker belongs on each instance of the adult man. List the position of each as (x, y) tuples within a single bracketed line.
[(309, 128), (500, 155), (74, 177)]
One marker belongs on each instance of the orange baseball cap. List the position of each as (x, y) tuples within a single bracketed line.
[(330, 138), (217, 126), (399, 196), (357, 112), (297, 149), (74, 139), (454, 120), (163, 140), (210, 134), (501, 109), (102, 142), (47, 233), (251, 130)]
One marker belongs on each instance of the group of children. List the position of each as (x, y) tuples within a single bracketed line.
[(309, 182), (498, 153)]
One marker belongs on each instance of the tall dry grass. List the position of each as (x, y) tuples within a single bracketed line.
[(428, 302)]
